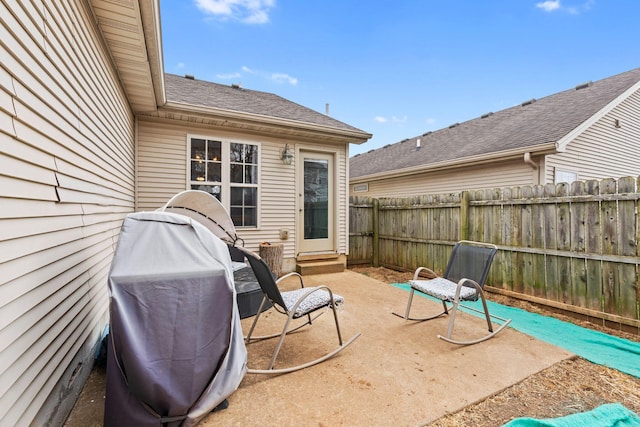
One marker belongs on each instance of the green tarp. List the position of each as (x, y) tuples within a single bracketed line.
[(595, 346), (610, 415)]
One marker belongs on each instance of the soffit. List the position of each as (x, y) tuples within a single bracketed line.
[(131, 30)]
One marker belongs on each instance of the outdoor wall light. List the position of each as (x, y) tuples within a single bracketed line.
[(286, 155)]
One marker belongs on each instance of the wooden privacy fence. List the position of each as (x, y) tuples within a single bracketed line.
[(570, 246)]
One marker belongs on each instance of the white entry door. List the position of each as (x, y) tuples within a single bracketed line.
[(316, 204)]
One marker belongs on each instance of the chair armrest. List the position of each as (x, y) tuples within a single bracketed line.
[(293, 273), (416, 275), (466, 282)]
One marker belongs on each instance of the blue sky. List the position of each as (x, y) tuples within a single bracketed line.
[(399, 68)]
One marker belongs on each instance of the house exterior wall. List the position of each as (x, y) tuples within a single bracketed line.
[(604, 150), (162, 172), (499, 174), (66, 183)]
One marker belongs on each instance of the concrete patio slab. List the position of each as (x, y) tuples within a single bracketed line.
[(396, 373)]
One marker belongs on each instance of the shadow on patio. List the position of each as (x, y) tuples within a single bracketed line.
[(397, 372)]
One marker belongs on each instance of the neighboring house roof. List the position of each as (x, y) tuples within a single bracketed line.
[(234, 100), (540, 125)]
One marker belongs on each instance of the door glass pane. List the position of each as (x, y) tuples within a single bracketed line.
[(316, 193)]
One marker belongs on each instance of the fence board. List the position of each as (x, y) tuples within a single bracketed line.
[(538, 260), (609, 246), (627, 274), (578, 213), (563, 242), (551, 283)]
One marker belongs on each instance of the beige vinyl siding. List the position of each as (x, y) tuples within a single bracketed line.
[(504, 174), (66, 183), (162, 172), (162, 163), (604, 151)]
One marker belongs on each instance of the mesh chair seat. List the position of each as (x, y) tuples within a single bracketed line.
[(443, 289), (317, 298)]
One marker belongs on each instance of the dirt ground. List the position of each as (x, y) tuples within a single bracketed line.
[(565, 388)]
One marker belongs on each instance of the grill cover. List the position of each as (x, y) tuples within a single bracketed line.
[(176, 349)]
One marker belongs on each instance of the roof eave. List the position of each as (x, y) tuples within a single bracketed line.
[(541, 149), (132, 36), (565, 140), (263, 123)]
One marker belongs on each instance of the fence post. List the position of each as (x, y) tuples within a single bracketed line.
[(464, 215), (376, 251)]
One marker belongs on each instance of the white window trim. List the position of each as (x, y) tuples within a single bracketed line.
[(225, 171), (560, 174), (361, 188)]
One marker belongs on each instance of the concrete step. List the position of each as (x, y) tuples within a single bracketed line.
[(306, 268), (317, 256)]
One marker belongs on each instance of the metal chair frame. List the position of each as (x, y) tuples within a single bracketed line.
[(468, 267), (269, 286)]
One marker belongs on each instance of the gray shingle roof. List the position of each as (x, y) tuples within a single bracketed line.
[(546, 120), (215, 95)]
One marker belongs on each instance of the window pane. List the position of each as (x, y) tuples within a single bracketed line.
[(236, 216), (250, 217), (235, 152), (215, 150), (215, 190), (197, 171), (236, 173), (214, 171), (251, 154), (251, 174), (198, 149), (236, 196), (250, 196)]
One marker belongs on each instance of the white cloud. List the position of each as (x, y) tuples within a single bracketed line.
[(284, 78), (180, 65), (430, 120), (247, 69), (549, 5), (247, 11), (393, 119)]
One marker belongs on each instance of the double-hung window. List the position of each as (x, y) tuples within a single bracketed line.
[(229, 171)]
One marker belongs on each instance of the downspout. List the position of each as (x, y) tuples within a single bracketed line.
[(534, 166)]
